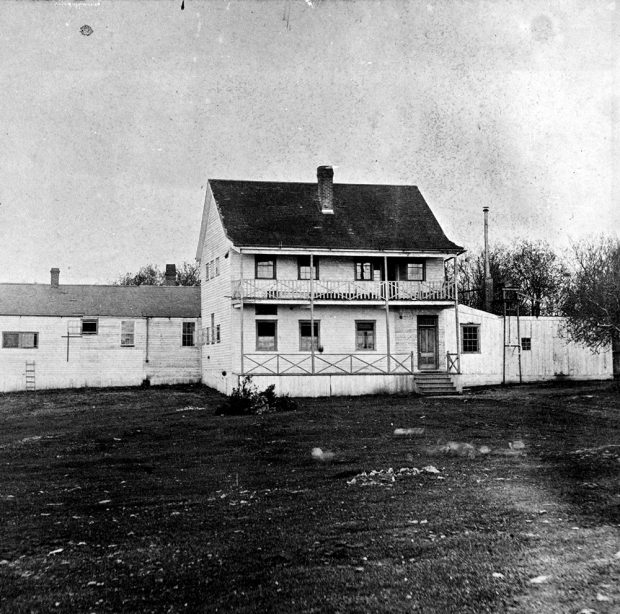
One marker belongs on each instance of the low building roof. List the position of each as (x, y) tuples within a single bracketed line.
[(91, 300), (366, 217)]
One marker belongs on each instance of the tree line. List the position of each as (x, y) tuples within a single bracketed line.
[(581, 284)]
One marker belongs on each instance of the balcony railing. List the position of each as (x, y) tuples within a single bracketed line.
[(328, 364), (300, 289)]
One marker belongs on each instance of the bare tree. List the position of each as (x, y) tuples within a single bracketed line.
[(532, 267), (592, 298), (152, 275)]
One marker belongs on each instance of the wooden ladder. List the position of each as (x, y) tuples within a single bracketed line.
[(30, 375)]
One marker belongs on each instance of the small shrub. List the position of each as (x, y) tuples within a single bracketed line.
[(248, 399)]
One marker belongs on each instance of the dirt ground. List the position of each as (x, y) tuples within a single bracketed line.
[(131, 500)]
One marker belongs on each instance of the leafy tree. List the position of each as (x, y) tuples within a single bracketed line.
[(152, 275), (592, 298)]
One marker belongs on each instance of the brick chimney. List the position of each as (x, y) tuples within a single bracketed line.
[(55, 277), (325, 178), (171, 275)]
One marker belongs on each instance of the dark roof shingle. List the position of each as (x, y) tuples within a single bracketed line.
[(90, 300), (366, 217)]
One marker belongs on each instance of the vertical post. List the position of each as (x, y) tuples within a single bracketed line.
[(504, 340), (241, 309), (519, 341), (456, 315), (312, 313), (488, 280), (387, 311), (146, 358)]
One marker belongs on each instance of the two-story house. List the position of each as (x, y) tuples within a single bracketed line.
[(323, 288)]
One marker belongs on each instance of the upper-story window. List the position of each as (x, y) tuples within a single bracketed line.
[(265, 267), (368, 270), (305, 270), (415, 270)]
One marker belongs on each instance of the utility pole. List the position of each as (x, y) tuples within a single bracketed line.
[(488, 280)]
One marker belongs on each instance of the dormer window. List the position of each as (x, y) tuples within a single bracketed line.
[(305, 271), (265, 267)]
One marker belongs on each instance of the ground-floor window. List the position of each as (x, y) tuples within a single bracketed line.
[(127, 333), (266, 335), (188, 336), (306, 339), (526, 343), (365, 335), (18, 339), (470, 337)]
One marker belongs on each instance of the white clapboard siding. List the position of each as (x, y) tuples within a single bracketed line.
[(97, 360)]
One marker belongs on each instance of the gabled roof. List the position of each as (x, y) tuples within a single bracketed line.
[(366, 217), (87, 300)]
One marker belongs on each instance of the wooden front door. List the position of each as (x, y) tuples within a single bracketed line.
[(427, 343)]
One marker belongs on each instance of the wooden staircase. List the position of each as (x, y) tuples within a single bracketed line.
[(434, 383)]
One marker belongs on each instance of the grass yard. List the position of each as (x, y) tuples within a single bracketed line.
[(127, 500)]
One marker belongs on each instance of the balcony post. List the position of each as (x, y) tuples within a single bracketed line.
[(241, 307), (387, 311), (312, 312), (456, 315)]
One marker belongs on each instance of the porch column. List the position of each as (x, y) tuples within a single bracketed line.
[(387, 310), (456, 314), (241, 307), (312, 313)]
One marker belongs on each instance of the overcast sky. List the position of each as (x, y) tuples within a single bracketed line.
[(108, 139)]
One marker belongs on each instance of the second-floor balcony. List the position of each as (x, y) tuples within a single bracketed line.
[(336, 291)]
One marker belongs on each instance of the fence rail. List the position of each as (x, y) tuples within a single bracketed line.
[(328, 364), (300, 289)]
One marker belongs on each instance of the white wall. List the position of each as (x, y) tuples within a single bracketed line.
[(215, 298), (98, 360), (552, 355)]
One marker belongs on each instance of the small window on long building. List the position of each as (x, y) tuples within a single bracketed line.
[(127, 333), (526, 343), (90, 326), (188, 338), (24, 340)]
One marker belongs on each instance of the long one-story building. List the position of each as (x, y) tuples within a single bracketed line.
[(71, 336)]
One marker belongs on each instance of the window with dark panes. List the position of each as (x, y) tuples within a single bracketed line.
[(266, 335), (90, 326), (470, 338), (188, 336), (365, 335), (368, 270), (18, 339), (265, 267), (266, 310), (305, 271), (306, 339), (526, 343)]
